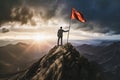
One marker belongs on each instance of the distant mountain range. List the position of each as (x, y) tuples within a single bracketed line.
[(18, 56), (106, 54)]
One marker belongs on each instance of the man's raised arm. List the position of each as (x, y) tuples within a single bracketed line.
[(65, 31)]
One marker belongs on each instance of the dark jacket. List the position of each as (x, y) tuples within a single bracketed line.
[(60, 32)]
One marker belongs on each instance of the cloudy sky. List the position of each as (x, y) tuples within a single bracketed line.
[(33, 19)]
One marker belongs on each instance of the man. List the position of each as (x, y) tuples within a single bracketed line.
[(60, 35)]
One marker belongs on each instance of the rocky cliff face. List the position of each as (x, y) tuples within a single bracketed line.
[(61, 63)]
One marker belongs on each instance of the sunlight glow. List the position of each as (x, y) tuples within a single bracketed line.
[(39, 37)]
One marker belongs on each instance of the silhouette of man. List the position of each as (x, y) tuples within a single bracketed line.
[(60, 35)]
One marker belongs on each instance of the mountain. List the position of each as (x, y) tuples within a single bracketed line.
[(106, 55), (102, 54), (10, 55), (19, 56), (61, 63)]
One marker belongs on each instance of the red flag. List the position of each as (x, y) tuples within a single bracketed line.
[(77, 15)]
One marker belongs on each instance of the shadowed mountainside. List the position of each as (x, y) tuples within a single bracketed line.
[(107, 55)]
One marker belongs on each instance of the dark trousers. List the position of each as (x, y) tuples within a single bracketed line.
[(59, 38)]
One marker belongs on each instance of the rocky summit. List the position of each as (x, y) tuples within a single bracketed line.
[(61, 63)]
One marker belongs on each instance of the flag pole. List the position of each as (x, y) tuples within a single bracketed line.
[(69, 30)]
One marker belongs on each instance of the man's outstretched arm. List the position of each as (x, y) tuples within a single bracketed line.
[(66, 31)]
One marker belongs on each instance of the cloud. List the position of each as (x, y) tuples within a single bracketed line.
[(102, 15), (24, 10), (22, 14), (4, 30), (5, 9)]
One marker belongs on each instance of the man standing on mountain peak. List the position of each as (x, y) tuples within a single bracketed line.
[(60, 35)]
